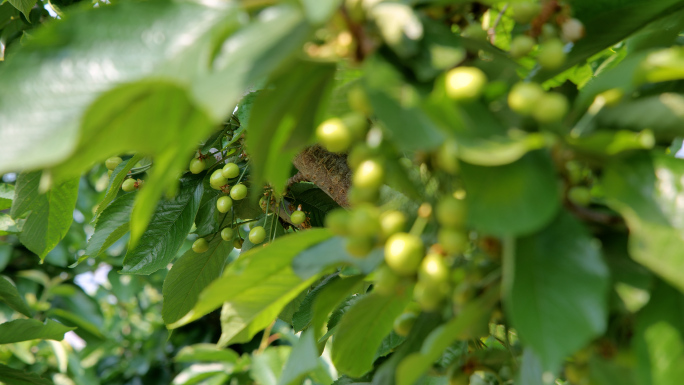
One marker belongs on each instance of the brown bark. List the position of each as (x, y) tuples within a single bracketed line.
[(328, 171)]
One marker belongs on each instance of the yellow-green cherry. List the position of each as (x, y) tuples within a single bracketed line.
[(298, 217), (223, 204), (112, 162), (200, 246), (231, 170), (238, 192)]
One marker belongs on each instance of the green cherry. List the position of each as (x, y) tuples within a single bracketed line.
[(404, 323), (128, 185), (523, 97), (217, 180), (451, 212), (197, 165), (231, 170), (227, 234), (223, 204), (200, 246), (369, 175), (551, 54), (465, 83), (238, 192), (334, 135), (403, 253), (298, 217), (237, 243), (257, 235), (112, 162), (551, 108)]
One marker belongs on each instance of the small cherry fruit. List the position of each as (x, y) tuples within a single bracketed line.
[(465, 83), (200, 245), (551, 54), (369, 175), (334, 135), (452, 241), (227, 234), (257, 235), (217, 180), (524, 13), (231, 170), (128, 185), (238, 192), (451, 212), (392, 222), (403, 253), (523, 97), (521, 45), (237, 243), (197, 165), (112, 162), (223, 204), (298, 217), (433, 270), (551, 108)]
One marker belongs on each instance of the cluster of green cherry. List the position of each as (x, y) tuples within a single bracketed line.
[(129, 184), (219, 180)]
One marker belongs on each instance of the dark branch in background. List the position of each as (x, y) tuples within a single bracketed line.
[(328, 171)]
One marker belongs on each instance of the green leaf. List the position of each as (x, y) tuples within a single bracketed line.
[(332, 253), (603, 372), (49, 214), (267, 367), (219, 91), (517, 198), (304, 314), (24, 6), (256, 286), (111, 225), (77, 320), (551, 312), (329, 299), (470, 318), (531, 369), (208, 217), (319, 11), (115, 181), (9, 225), (19, 377), (497, 151), (647, 190), (206, 374), (6, 195), (206, 352), (606, 142), (190, 275), (31, 329), (283, 119), (315, 202), (661, 113), (609, 22), (659, 343), (170, 224), (88, 53), (362, 329), (303, 360), (10, 295)]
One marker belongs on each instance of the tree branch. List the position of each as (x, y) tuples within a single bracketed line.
[(328, 171)]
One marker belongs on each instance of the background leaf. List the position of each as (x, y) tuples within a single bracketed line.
[(31, 329), (10, 296)]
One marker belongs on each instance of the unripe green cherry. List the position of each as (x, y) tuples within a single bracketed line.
[(357, 124), (197, 165), (580, 195), (369, 175), (451, 212), (231, 170), (403, 253), (227, 234), (337, 221), (551, 108), (433, 270), (364, 221), (112, 162), (223, 204), (217, 180), (429, 297), (238, 192), (523, 13), (404, 323), (452, 241), (200, 245), (298, 217), (237, 243), (572, 30), (128, 185), (523, 97), (257, 235), (359, 246), (386, 281), (551, 54), (465, 83), (521, 45), (334, 135), (392, 222)]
